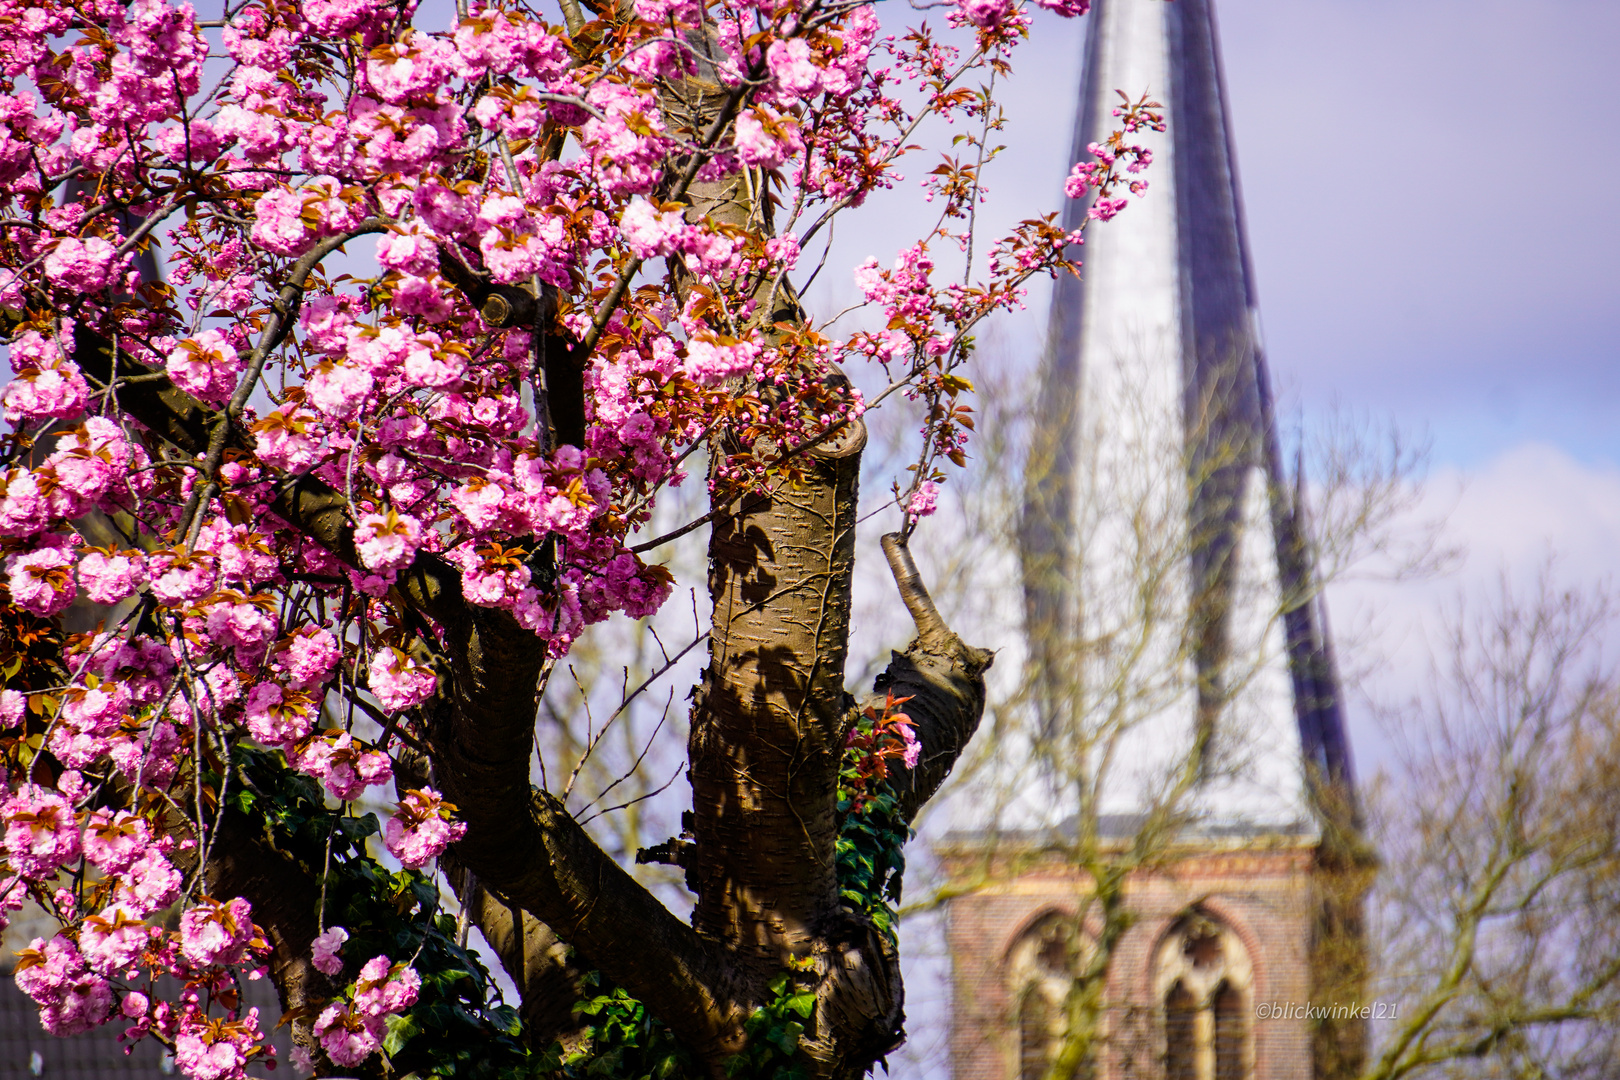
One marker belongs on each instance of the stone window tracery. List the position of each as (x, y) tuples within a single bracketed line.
[(1204, 981), (1040, 970)]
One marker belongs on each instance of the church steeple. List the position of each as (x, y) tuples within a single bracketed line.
[(1156, 495)]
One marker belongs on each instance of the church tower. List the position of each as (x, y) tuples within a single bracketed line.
[(1177, 645)]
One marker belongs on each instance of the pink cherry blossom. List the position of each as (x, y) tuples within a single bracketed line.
[(113, 841), (240, 553), (442, 209), (414, 65), (345, 766), (1069, 9), (338, 390), (211, 1049), (710, 361), (913, 751), (482, 503), (278, 224), (81, 266), (434, 365), (206, 365), (307, 658), (31, 349), (42, 581), (422, 827), (109, 578), (97, 710), (765, 139), (151, 883), (347, 1037), (38, 393), (72, 999), (287, 439), (384, 988), (339, 16), (663, 11), (1105, 209), (398, 681), (276, 716), (326, 948), (792, 68), (41, 831), (240, 623), (216, 932), (146, 755), (179, 578), (428, 297), (409, 250), (650, 232), (92, 460), (387, 542), (923, 500), (113, 939)]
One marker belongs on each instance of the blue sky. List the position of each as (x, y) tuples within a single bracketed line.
[(1430, 188)]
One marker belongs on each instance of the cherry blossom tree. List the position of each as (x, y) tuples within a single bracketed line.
[(278, 539)]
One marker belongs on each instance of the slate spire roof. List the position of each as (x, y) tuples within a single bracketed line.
[(1156, 408)]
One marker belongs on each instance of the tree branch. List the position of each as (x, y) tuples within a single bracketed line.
[(306, 502), (533, 955), (530, 852), (942, 675)]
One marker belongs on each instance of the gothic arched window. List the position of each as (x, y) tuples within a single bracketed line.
[(1204, 981), (1180, 1034), (1041, 967), (1231, 1034), (1035, 1024)]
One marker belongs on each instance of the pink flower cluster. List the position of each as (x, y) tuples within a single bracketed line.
[(215, 1049), (325, 949), (352, 1032), (71, 997), (1103, 175), (421, 828), (923, 501), (206, 366), (72, 984), (387, 542), (218, 932), (398, 681), (42, 832), (345, 766)]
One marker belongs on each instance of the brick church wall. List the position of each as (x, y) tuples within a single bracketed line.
[(1261, 891)]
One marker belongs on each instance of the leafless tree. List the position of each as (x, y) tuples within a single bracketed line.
[(1497, 913)]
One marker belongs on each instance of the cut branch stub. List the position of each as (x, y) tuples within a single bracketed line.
[(941, 674), (502, 306)]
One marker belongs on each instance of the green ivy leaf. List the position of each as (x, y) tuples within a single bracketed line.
[(401, 1029)]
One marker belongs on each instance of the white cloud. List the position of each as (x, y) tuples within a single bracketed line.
[(1531, 508)]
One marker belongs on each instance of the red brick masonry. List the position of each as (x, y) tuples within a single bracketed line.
[(1259, 887)]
